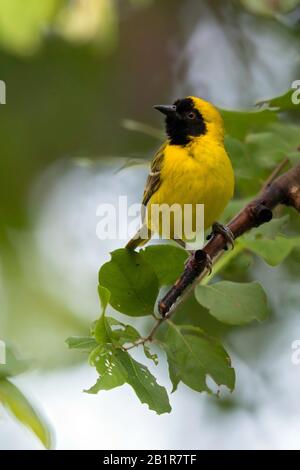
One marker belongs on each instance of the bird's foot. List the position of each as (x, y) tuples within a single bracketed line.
[(218, 228)]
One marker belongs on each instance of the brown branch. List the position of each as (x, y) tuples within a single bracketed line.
[(284, 189)]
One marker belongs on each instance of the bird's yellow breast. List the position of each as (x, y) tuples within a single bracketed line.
[(199, 173)]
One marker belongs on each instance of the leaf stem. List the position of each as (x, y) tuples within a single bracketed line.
[(149, 338)]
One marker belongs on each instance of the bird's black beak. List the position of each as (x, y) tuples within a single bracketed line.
[(167, 109)]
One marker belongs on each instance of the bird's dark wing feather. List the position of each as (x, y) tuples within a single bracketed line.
[(154, 178)]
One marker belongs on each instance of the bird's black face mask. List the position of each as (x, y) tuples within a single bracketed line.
[(183, 121)]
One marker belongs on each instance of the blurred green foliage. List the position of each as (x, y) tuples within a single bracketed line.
[(23, 26), (270, 7), (15, 401)]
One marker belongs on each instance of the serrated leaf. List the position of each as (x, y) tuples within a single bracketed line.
[(166, 260), (145, 385), (14, 400), (193, 356), (126, 334), (110, 370), (122, 334), (234, 303), (84, 343), (132, 282), (117, 367)]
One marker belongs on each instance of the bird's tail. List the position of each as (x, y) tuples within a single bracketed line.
[(140, 238)]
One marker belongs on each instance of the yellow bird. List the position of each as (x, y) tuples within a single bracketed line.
[(191, 167)]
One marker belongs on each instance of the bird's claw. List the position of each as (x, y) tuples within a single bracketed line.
[(218, 228)]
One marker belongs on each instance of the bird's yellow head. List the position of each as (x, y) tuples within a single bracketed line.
[(192, 118)]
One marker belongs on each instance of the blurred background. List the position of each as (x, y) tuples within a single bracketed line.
[(81, 78)]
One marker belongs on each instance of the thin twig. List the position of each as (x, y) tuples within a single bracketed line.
[(147, 338), (275, 173)]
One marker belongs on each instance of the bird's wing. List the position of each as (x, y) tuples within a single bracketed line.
[(154, 178)]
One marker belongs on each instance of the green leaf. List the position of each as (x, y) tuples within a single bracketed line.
[(132, 282), (268, 148), (13, 365), (240, 123), (269, 230), (145, 385), (234, 303), (85, 343), (174, 371), (236, 150), (283, 102), (19, 406), (117, 367), (106, 330), (107, 364), (150, 355), (101, 329), (268, 243), (274, 251), (258, 153), (193, 356), (121, 334), (269, 8), (111, 330), (166, 260), (104, 296)]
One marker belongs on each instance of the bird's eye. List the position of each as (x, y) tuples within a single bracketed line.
[(191, 115)]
